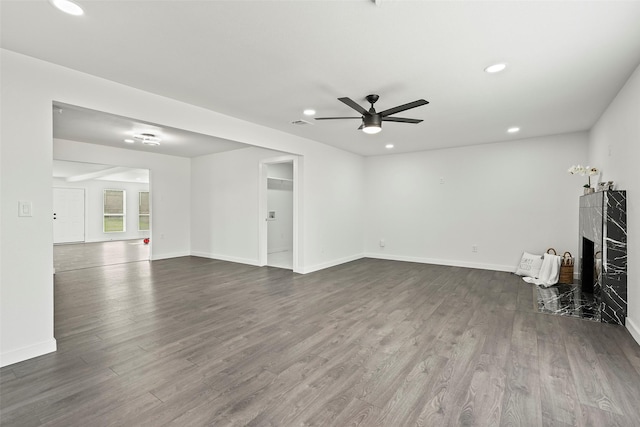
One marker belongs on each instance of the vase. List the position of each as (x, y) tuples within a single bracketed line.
[(588, 190)]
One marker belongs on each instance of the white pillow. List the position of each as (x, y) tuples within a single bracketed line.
[(529, 265)]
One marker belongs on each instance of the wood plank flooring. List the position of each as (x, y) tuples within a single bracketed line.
[(77, 256), (198, 342)]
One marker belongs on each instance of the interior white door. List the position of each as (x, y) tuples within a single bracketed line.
[(68, 215)]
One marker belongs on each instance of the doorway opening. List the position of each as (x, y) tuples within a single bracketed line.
[(279, 204), (101, 215)]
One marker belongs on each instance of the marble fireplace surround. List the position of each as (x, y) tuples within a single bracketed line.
[(603, 252)]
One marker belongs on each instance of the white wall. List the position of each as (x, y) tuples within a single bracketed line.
[(334, 194), (280, 229), (93, 207), (169, 183), (504, 197), (225, 204), (280, 201), (280, 170), (614, 147), (225, 224), (29, 86)]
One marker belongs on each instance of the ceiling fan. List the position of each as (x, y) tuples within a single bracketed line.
[(371, 120)]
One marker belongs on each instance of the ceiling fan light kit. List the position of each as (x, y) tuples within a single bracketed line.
[(371, 124), (372, 120)]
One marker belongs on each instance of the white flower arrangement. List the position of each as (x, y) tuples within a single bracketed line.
[(584, 170)]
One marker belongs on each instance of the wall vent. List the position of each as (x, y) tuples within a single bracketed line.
[(300, 122)]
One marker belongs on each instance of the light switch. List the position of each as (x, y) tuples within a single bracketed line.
[(25, 208)]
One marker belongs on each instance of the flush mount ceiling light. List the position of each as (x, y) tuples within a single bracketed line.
[(147, 139), (513, 129), (129, 141), (68, 7), (388, 146), (309, 112), (495, 68)]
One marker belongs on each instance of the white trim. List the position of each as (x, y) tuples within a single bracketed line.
[(276, 250), (238, 260), (436, 261), (328, 264), (633, 329), (105, 240), (24, 353), (158, 257)]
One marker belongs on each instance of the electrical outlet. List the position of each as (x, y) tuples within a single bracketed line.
[(474, 248), (382, 243), (441, 180)]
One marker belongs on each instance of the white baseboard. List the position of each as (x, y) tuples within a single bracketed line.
[(226, 258), (333, 263), (157, 257), (113, 240), (276, 250), (328, 264), (633, 329), (24, 353), (436, 261)]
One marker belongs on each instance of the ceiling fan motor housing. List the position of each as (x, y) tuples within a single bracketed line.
[(372, 120)]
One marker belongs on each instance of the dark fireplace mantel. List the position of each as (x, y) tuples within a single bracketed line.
[(603, 252)]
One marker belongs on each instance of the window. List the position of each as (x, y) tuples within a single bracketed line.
[(143, 211), (114, 210)]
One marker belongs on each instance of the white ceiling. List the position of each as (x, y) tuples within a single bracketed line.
[(79, 172), (95, 127), (265, 61)]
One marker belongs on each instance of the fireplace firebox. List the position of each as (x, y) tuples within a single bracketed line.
[(588, 277)]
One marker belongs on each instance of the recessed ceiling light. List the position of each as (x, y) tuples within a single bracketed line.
[(129, 141), (513, 130), (67, 6), (495, 68), (309, 112), (388, 146)]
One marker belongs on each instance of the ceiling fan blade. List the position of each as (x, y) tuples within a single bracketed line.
[(336, 118), (353, 104), (400, 119), (361, 127), (404, 107)]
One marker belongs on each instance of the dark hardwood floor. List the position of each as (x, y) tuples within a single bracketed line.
[(194, 342), (76, 256)]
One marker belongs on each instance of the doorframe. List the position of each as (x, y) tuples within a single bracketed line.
[(297, 209)]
